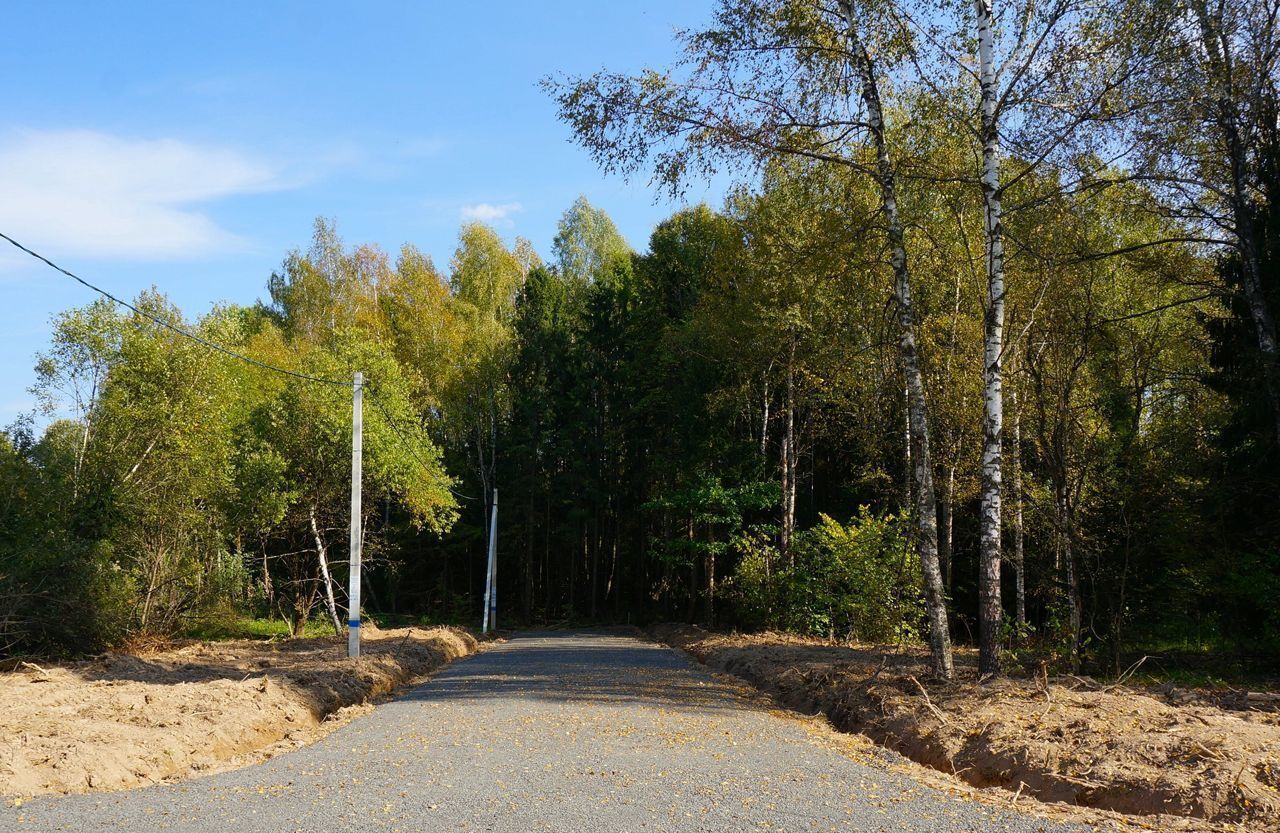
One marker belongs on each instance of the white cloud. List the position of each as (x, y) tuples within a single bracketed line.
[(489, 213), (87, 193)]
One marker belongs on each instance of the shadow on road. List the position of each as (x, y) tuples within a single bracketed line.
[(563, 666)]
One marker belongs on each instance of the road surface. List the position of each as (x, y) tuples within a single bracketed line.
[(556, 731)]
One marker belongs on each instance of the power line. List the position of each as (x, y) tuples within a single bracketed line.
[(173, 327), (229, 352)]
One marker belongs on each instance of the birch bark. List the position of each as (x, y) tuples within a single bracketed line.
[(322, 553), (1019, 560), (925, 502), (989, 603), (789, 455)]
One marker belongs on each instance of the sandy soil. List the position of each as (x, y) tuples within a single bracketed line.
[(124, 720), (1148, 753)]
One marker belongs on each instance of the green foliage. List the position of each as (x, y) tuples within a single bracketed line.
[(848, 581), (671, 431), (714, 514), (588, 245), (187, 486), (239, 626), (58, 593)]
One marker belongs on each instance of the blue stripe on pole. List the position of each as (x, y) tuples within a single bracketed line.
[(355, 623)]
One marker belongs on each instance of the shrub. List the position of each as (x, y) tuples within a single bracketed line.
[(855, 580)]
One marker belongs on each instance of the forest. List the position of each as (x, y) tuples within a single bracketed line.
[(981, 349)]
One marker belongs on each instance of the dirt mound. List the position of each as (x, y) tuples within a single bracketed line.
[(1057, 739), (125, 720)]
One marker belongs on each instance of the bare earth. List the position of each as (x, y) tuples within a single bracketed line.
[(1194, 765), (122, 721), (1165, 761)]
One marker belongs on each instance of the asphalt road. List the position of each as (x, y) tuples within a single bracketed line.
[(566, 732)]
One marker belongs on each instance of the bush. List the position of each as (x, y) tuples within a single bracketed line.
[(60, 597), (856, 580)]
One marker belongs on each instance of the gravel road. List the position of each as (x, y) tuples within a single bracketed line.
[(568, 732)]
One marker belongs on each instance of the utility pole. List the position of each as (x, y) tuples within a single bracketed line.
[(357, 448), (491, 574)]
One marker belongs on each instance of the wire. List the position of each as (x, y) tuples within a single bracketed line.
[(391, 423), (173, 327), (227, 351)]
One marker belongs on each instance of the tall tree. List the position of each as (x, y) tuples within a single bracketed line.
[(989, 604), (1207, 132), (926, 509), (587, 244), (769, 78), (485, 278), (1047, 76)]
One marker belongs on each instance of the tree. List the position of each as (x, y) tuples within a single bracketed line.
[(587, 243), (148, 461), (485, 278), (926, 500), (771, 77), (86, 344), (1206, 137), (328, 287), (426, 329), (1048, 74)]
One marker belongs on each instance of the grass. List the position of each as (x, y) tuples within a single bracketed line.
[(240, 626), (1207, 670), (396, 620), (1203, 663), (249, 627), (1188, 679)]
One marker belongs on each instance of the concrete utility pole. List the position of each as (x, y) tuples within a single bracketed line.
[(491, 574), (357, 449)]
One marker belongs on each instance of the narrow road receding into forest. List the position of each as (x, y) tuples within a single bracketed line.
[(557, 731)]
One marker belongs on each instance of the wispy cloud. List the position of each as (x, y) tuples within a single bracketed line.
[(485, 212), (423, 147), (94, 194)]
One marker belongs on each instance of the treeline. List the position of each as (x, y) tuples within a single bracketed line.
[(950, 367), (181, 484), (1057, 137), (716, 430)]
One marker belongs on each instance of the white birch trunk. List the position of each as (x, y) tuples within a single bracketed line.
[(926, 502), (946, 521), (764, 419), (1019, 559), (84, 440), (322, 553), (1066, 534), (906, 481), (989, 603), (789, 461)]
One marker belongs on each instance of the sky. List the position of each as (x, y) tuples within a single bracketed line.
[(190, 146)]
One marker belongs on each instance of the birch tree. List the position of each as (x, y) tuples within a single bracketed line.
[(1204, 135), (587, 243), (774, 78), (485, 277), (989, 602), (926, 510), (1046, 76)]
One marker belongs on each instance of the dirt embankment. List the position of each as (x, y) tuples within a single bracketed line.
[(1058, 739), (123, 720)]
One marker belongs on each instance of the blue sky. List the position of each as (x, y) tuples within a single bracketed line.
[(191, 145)]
